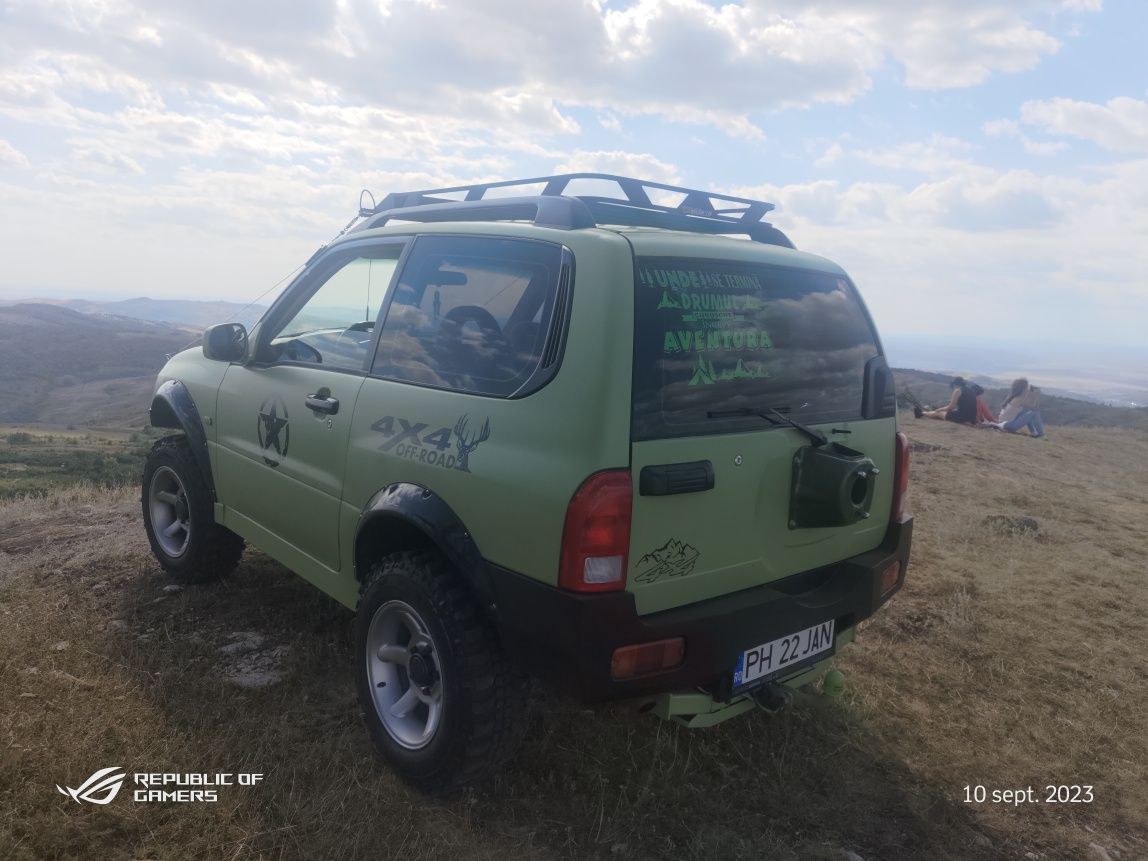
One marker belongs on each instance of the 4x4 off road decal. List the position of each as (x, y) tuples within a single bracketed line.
[(410, 440), (274, 430), (672, 559)]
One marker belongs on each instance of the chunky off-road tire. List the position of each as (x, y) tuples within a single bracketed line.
[(418, 629), (179, 517)]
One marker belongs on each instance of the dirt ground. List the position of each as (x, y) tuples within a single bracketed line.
[(1016, 656)]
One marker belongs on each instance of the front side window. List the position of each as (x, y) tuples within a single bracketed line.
[(470, 314), (715, 337), (335, 326)]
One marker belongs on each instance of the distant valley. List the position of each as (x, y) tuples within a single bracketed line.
[(64, 367)]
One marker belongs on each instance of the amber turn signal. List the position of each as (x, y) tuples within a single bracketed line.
[(647, 658)]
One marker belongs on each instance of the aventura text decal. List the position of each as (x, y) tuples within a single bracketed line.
[(408, 439), (714, 313)]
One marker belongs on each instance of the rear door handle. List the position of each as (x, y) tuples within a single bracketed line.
[(321, 404), (667, 479)]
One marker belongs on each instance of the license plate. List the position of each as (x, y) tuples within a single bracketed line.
[(769, 660)]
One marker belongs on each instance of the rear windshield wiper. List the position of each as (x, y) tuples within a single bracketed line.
[(773, 417)]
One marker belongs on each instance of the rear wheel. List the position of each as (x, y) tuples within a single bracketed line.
[(179, 516), (441, 702)]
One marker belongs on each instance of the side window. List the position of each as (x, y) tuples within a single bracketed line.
[(335, 326), (470, 314)]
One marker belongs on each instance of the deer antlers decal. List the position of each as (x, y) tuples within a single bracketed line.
[(466, 446)]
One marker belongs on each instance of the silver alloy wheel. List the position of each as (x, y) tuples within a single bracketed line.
[(170, 515), (405, 674)]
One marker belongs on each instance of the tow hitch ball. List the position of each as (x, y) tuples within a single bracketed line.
[(772, 697)]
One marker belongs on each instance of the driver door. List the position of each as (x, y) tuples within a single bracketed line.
[(284, 417)]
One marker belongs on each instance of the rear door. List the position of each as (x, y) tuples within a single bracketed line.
[(715, 343)]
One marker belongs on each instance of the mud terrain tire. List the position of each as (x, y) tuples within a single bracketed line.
[(482, 701), (179, 517)]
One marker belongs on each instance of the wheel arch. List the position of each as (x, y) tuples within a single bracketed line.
[(407, 516), (172, 406)]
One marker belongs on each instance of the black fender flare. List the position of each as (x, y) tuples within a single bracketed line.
[(411, 512), (173, 407)]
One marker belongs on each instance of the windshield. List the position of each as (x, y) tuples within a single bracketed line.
[(718, 336)]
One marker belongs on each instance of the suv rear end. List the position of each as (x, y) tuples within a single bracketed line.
[(760, 519)]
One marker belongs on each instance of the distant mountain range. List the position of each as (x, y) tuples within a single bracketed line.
[(1111, 374), (87, 362), (183, 312), (62, 366)]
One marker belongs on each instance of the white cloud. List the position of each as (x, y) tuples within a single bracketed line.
[(948, 43), (641, 165), (189, 127), (490, 59), (940, 154), (1011, 129), (11, 156), (832, 154), (985, 238), (1120, 125)]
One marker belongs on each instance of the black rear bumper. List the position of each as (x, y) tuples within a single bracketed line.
[(569, 638)]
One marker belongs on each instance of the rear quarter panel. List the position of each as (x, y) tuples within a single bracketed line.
[(540, 448)]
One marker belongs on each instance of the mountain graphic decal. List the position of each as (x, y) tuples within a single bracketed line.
[(673, 559)]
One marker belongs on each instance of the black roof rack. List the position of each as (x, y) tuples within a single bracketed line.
[(696, 211)]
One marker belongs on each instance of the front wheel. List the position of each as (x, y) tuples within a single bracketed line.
[(441, 702), (178, 513)]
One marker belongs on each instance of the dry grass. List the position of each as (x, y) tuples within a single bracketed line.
[(1012, 658)]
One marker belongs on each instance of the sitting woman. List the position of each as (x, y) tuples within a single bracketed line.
[(1022, 409), (962, 406)]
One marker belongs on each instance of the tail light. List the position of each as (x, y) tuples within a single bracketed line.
[(646, 659), (596, 537), (890, 577), (900, 477)]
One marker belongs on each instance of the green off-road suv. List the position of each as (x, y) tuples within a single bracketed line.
[(629, 441)]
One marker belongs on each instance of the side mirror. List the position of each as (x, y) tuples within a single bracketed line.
[(225, 342)]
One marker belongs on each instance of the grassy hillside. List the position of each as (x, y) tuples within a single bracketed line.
[(1015, 656), (933, 389), (34, 461), (60, 365)]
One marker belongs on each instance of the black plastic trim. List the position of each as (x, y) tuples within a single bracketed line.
[(172, 406), (879, 395), (412, 505), (569, 638)]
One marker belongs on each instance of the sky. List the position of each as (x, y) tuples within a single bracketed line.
[(980, 167)]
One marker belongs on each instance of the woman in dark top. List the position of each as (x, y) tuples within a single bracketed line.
[(962, 406)]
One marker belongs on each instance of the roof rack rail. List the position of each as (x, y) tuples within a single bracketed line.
[(696, 211)]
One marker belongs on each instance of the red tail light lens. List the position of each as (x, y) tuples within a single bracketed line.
[(900, 477), (596, 538)]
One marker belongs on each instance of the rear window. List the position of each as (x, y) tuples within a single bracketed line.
[(721, 336), (471, 314)]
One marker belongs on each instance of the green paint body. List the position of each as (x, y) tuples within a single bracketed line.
[(305, 510)]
